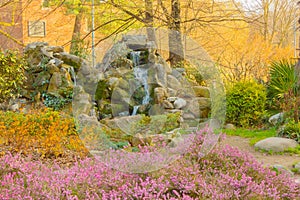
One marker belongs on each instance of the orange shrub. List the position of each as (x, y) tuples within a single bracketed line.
[(45, 133)]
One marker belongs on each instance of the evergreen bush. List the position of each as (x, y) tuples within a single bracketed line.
[(246, 103), (12, 74)]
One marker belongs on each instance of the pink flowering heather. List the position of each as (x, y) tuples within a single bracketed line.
[(224, 173)]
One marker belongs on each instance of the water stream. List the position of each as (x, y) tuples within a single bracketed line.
[(73, 74), (140, 74), (135, 57)]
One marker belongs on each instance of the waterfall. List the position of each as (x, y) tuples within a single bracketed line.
[(140, 74), (135, 109), (72, 72), (135, 57)]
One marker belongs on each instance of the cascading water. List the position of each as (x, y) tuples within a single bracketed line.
[(72, 72), (135, 57), (140, 74), (135, 109)]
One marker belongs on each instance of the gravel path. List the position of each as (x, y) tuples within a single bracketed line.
[(285, 160)]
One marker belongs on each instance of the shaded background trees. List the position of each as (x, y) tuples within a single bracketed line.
[(243, 38)]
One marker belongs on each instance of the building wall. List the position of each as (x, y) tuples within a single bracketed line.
[(58, 25), (11, 27)]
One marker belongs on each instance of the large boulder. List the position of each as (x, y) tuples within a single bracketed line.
[(55, 82), (173, 83), (276, 144), (201, 91), (119, 109), (125, 123), (82, 103), (157, 75), (71, 60), (58, 82), (135, 42), (120, 96)]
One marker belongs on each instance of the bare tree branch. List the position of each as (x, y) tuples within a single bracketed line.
[(100, 26), (137, 17), (118, 30)]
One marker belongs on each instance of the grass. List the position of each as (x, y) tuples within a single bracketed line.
[(257, 135), (254, 135), (294, 150)]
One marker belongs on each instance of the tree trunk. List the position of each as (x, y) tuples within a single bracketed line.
[(149, 20), (76, 33), (176, 54)]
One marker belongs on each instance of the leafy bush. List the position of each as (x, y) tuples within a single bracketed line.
[(225, 173), (246, 103), (290, 130), (44, 133), (283, 88), (12, 74)]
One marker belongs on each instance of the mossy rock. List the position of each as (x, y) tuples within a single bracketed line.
[(157, 124), (41, 82), (118, 108), (123, 84), (201, 91), (120, 96), (102, 90)]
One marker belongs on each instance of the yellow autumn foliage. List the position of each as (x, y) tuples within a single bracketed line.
[(44, 133)]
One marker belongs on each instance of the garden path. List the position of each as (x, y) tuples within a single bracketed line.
[(285, 160)]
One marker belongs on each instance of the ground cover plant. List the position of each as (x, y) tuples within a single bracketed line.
[(255, 135), (224, 173)]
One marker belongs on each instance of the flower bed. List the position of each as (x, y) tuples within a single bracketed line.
[(225, 173)]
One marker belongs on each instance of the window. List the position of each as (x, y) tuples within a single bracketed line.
[(36, 29)]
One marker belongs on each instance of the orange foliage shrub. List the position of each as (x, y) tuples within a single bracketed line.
[(45, 133)]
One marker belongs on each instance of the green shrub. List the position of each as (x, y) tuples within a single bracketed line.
[(290, 130), (246, 103), (12, 74)]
